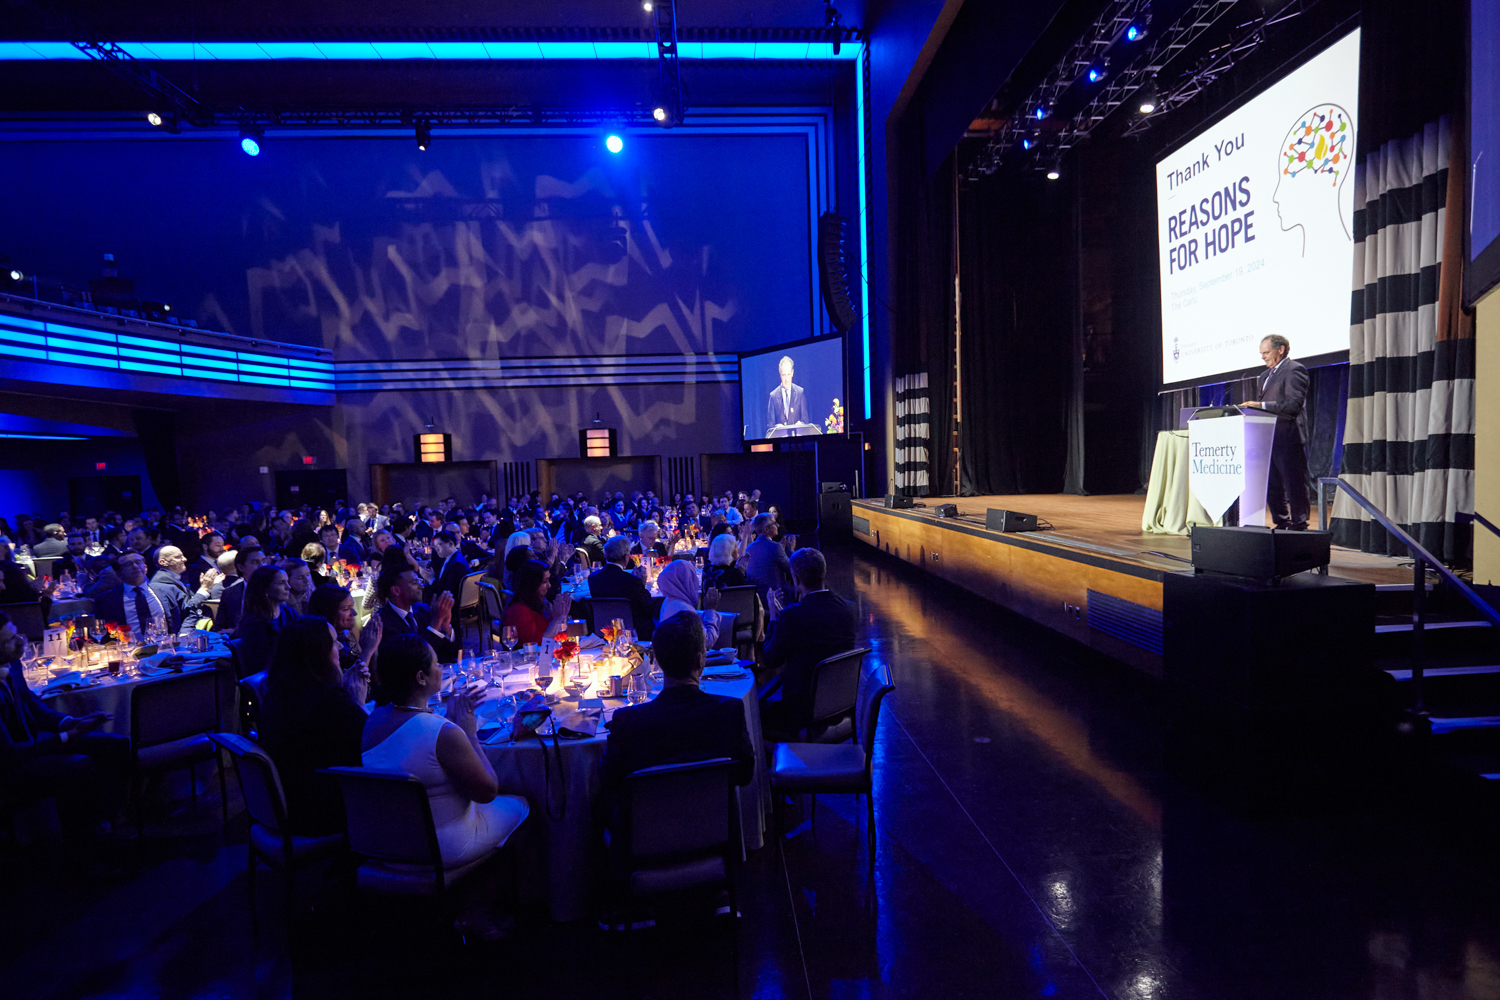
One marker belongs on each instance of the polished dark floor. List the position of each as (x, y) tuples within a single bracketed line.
[(1031, 844)]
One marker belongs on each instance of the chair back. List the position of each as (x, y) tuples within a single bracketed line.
[(740, 601), (468, 592), (491, 607), (835, 684), (259, 783), (174, 707), (607, 609), (28, 619), (874, 684), (235, 659), (390, 818), (252, 696), (678, 809), (42, 565)]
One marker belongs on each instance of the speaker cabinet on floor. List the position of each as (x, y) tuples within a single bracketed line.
[(835, 516)]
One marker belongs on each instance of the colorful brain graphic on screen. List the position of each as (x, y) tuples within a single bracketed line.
[(1314, 159), (1321, 144)]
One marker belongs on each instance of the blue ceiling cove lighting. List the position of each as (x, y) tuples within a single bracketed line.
[(614, 144), (393, 51)]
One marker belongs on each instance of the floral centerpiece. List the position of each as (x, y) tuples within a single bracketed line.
[(834, 422), (567, 648)]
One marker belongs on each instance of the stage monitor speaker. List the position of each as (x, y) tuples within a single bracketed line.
[(834, 270), (898, 503), (835, 516), (833, 488), (1009, 520), (946, 510), (1262, 554)]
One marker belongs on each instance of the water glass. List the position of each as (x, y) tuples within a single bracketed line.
[(637, 688)]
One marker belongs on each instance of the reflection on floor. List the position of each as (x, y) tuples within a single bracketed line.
[(1030, 845)]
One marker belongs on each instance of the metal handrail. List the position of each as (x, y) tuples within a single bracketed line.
[(1478, 518), (1417, 550), (1421, 558)]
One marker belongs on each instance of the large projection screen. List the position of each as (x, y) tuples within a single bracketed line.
[(1255, 218)]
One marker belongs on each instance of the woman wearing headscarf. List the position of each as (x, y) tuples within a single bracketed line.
[(678, 584)]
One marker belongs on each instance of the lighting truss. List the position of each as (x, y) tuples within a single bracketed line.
[(1084, 53), (1186, 30), (405, 117), (669, 93), (1245, 39)]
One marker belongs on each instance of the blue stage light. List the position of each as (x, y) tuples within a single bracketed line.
[(614, 144), (250, 141), (1132, 33), (1025, 143), (1041, 112), (1095, 74)]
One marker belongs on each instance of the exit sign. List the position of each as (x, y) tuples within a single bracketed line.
[(100, 466)]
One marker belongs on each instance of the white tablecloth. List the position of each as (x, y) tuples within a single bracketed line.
[(112, 694), (557, 856)]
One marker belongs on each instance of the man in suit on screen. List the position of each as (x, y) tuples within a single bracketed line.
[(787, 403), (1283, 391)]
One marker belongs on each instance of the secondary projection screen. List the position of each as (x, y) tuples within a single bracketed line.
[(1255, 218), (795, 390)]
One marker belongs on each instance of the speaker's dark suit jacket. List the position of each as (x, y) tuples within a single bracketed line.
[(1284, 393), (820, 625), (612, 581), (792, 412)]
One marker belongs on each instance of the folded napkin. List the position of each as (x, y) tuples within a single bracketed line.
[(68, 681), (590, 642), (587, 719)]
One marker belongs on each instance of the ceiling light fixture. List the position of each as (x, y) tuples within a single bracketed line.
[(154, 118), (614, 143), (424, 135), (250, 140)]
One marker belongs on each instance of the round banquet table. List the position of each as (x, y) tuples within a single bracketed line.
[(557, 858), (103, 693)]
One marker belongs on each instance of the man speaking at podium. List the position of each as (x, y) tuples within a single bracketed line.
[(1283, 391), (787, 404)]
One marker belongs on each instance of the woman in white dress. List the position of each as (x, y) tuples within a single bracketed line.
[(471, 817)]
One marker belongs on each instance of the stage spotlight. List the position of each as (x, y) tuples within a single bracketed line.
[(1053, 173), (1097, 72), (1135, 32), (16, 275), (250, 139), (154, 118), (659, 113), (648, 6), (1042, 111), (614, 143), (424, 135), (1026, 143), (1147, 99)]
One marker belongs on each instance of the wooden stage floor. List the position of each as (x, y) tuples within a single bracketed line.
[(1112, 525), (1094, 576)]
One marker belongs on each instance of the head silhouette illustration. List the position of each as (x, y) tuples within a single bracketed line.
[(1313, 161)]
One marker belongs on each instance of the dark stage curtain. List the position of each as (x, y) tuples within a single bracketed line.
[(157, 432), (1017, 261), (925, 317)]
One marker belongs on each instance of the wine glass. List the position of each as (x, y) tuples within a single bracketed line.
[(576, 678), (544, 665), (509, 637)]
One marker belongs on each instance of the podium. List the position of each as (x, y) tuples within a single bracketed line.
[(794, 430), (1229, 459)]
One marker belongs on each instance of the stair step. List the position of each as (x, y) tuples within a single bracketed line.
[(1429, 626), (1428, 672)]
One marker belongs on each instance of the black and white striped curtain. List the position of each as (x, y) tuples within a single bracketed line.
[(1409, 433), (913, 434)]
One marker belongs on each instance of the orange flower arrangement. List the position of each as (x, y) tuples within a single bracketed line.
[(567, 647), (609, 634), (117, 632)]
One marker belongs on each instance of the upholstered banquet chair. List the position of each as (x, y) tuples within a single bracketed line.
[(835, 768), (270, 841)]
